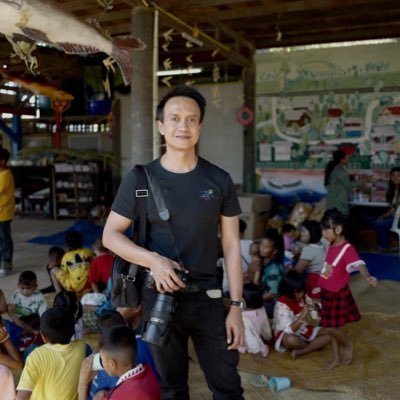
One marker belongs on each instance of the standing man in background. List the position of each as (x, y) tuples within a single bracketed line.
[(7, 212), (200, 197)]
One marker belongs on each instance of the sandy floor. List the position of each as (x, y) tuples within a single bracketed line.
[(34, 257)]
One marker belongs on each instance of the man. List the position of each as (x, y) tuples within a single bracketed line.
[(7, 211), (200, 197)]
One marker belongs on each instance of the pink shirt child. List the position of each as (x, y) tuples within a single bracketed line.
[(336, 277)]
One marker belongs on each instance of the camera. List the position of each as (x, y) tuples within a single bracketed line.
[(158, 328)]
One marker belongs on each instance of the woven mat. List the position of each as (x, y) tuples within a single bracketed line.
[(372, 375)]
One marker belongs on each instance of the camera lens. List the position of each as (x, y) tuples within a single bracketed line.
[(158, 329)]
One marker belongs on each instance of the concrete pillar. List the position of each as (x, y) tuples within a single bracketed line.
[(142, 89), (249, 140)]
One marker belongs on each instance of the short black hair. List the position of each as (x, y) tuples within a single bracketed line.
[(108, 319), (252, 295), (276, 238), (98, 245), (286, 228), (242, 225), (292, 282), (4, 154), (314, 229), (182, 91), (73, 239), (120, 342), (69, 300), (58, 325), (27, 278), (55, 252)]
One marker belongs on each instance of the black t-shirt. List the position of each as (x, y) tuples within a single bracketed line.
[(195, 200)]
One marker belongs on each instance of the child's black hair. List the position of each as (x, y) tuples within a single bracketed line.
[(57, 325), (291, 283), (276, 238), (108, 319), (242, 226), (27, 278), (55, 252), (314, 229), (98, 245), (286, 228), (73, 239), (333, 218), (120, 341), (252, 295), (69, 300), (4, 154)]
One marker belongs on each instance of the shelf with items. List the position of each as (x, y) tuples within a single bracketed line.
[(34, 191), (76, 187)]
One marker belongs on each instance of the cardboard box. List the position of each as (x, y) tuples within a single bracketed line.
[(255, 203), (255, 225)]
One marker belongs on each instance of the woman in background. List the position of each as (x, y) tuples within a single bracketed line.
[(338, 183), (383, 223)]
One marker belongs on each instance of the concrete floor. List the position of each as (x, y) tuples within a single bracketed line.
[(28, 256)]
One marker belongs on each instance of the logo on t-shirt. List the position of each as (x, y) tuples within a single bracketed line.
[(207, 194)]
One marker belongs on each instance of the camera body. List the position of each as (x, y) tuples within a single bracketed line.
[(158, 328)]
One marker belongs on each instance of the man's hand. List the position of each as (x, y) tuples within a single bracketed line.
[(234, 328), (165, 277)]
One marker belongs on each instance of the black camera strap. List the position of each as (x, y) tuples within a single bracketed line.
[(162, 208)]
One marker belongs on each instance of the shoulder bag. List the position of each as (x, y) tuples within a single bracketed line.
[(126, 279)]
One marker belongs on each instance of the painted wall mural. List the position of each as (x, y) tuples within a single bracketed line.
[(312, 102)]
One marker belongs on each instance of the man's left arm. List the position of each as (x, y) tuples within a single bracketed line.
[(233, 263)]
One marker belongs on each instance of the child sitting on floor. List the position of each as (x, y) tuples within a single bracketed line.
[(118, 348), (25, 308), (296, 319), (9, 359), (74, 271), (272, 253), (52, 371), (55, 256), (256, 324), (312, 256), (69, 300), (100, 267)]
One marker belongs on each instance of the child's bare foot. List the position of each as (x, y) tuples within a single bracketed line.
[(293, 354), (332, 364), (347, 354)]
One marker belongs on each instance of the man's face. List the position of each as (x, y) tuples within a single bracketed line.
[(181, 126)]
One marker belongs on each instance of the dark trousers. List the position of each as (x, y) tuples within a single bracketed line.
[(203, 320), (6, 243)]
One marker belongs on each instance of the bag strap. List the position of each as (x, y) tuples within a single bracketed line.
[(140, 222), (162, 209), (340, 255)]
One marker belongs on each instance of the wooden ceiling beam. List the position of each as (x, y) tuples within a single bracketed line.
[(284, 8), (234, 35), (177, 23)]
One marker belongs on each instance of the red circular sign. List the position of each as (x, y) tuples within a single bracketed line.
[(245, 115)]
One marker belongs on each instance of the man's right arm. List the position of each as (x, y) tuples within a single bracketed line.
[(162, 268)]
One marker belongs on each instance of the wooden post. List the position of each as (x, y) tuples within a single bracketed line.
[(142, 87)]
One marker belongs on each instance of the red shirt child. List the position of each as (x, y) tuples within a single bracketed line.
[(100, 267)]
